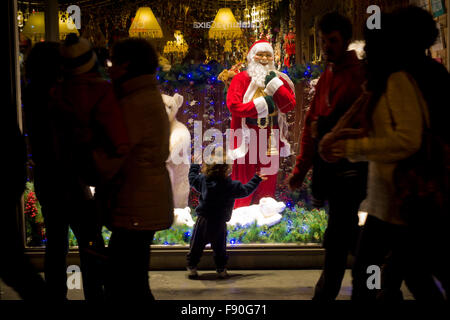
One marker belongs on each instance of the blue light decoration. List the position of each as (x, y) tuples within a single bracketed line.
[(233, 241), (200, 75)]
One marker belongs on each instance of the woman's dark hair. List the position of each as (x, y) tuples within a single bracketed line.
[(400, 44), (139, 53), (380, 56), (417, 29), (334, 21), (43, 64)]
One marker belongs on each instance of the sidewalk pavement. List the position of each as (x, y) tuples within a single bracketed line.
[(241, 285)]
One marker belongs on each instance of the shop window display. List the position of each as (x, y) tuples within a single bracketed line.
[(199, 69)]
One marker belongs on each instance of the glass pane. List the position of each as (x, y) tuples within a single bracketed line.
[(195, 47)]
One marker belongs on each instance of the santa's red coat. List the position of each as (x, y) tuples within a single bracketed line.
[(241, 104)]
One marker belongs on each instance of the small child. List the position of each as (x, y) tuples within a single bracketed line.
[(216, 203)]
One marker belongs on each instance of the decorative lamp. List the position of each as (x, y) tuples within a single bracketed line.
[(177, 46), (225, 26), (227, 46), (35, 27), (145, 25), (19, 19)]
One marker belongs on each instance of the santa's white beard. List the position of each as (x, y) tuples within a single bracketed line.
[(258, 72)]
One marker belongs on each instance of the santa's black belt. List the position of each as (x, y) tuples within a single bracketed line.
[(262, 121)]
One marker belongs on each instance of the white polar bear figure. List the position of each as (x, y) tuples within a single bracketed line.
[(180, 151), (183, 217), (267, 212)]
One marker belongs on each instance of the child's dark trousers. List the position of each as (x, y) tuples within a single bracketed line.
[(208, 231)]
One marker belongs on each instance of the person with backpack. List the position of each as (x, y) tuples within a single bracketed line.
[(342, 184), (404, 91), (85, 117)]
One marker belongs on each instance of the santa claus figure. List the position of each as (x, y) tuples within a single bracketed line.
[(258, 99)]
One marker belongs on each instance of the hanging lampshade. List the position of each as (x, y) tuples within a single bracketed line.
[(225, 26), (35, 27), (145, 25)]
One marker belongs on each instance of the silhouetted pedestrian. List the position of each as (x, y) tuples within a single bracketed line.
[(396, 115), (85, 116), (140, 198), (342, 183), (15, 268)]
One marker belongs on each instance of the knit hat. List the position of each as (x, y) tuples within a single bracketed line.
[(258, 46), (77, 54)]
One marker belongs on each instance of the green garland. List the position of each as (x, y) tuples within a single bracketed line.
[(200, 75), (182, 75), (304, 72), (298, 225)]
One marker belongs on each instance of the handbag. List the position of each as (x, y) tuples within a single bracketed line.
[(422, 180)]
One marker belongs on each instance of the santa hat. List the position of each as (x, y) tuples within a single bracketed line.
[(78, 56), (258, 46)]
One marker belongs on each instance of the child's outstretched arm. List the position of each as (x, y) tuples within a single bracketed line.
[(195, 179), (241, 190)]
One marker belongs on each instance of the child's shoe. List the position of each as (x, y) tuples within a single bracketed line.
[(192, 272), (222, 273)]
